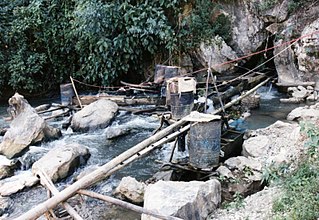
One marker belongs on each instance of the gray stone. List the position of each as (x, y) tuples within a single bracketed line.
[(59, 162), (130, 189), (242, 163), (97, 115), (5, 204), (6, 167), (26, 128), (115, 132), (16, 183), (256, 146), (303, 113), (224, 171), (187, 200)]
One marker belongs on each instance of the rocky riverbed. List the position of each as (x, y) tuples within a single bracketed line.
[(278, 144)]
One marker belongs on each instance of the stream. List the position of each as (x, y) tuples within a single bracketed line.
[(103, 150)]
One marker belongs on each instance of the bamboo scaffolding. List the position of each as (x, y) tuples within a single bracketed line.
[(116, 163)]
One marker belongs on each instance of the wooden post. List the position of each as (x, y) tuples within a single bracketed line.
[(76, 93), (126, 205)]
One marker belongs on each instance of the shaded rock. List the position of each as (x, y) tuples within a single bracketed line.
[(304, 113), (115, 132), (31, 156), (5, 204), (26, 128), (188, 200), (6, 167), (59, 162), (86, 171), (97, 115), (5, 171), (3, 131), (130, 189), (51, 133), (16, 183), (224, 171)]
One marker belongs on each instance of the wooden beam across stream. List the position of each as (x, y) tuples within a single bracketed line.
[(108, 168)]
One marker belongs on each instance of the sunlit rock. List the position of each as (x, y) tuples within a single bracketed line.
[(186, 200), (131, 189), (59, 162), (26, 128), (16, 183), (97, 115)]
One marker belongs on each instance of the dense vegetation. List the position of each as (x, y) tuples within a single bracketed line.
[(43, 42)]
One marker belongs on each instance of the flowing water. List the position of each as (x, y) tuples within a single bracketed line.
[(103, 150)]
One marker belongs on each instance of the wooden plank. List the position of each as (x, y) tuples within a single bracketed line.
[(121, 100)]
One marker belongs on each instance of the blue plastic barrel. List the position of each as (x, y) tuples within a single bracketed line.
[(204, 144)]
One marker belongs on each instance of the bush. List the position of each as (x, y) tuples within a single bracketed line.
[(99, 41)]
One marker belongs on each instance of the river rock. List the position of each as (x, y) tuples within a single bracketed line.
[(131, 189), (6, 167), (5, 204), (26, 128), (309, 113), (97, 115), (115, 132), (59, 162), (187, 200), (16, 183), (242, 162)]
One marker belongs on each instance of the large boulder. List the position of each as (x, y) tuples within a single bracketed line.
[(26, 128), (16, 183), (131, 189), (97, 115), (187, 200), (59, 162)]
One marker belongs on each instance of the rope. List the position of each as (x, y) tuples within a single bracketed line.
[(258, 52), (100, 87)]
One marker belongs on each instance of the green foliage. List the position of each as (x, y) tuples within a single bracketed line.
[(99, 41), (267, 4), (301, 187)]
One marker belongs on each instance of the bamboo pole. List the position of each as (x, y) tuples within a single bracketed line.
[(46, 181), (97, 175), (126, 205), (76, 93)]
